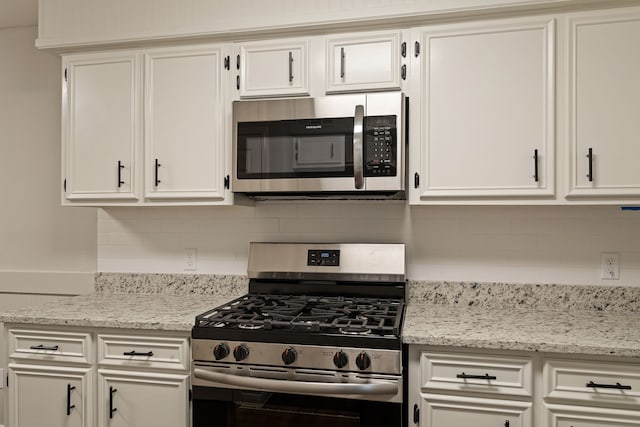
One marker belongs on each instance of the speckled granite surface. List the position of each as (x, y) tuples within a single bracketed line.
[(545, 318), (119, 310), (172, 284), (570, 297)]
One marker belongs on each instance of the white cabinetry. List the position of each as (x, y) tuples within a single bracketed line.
[(604, 103), (453, 389), (364, 62), (142, 379), (589, 393), (184, 124), (482, 110), (101, 126), (273, 68), (181, 99), (50, 378)]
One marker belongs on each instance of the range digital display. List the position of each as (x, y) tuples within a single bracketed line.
[(322, 257)]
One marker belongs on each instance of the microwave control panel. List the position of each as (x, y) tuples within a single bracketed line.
[(380, 146)]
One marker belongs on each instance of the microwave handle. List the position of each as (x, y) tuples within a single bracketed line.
[(358, 136)]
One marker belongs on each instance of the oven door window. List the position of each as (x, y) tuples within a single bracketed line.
[(262, 409), (313, 148)]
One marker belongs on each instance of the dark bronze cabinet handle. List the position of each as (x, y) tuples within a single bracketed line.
[(111, 408), (157, 165), (70, 388), (476, 377), (135, 353), (535, 165), (43, 347), (290, 67), (618, 386), (120, 167), (590, 157)]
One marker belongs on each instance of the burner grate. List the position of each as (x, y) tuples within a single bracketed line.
[(323, 314)]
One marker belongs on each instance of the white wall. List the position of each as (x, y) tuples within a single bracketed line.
[(44, 248), (519, 244), (39, 239)]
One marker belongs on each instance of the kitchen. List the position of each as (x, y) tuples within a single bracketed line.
[(48, 249)]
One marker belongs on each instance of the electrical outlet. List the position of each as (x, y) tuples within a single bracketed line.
[(190, 259), (610, 266)]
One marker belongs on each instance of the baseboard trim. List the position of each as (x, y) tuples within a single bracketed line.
[(47, 282)]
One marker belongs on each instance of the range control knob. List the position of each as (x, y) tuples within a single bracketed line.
[(289, 355), (241, 352), (363, 361), (340, 359), (220, 351)]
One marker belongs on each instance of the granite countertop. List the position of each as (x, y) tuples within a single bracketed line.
[(119, 310), (542, 318), (524, 329), (555, 319)]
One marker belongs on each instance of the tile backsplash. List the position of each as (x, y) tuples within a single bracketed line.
[(509, 244)]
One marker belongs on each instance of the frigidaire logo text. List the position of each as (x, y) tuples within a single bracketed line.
[(313, 126)]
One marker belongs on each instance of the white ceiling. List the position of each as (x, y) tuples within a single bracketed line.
[(18, 13)]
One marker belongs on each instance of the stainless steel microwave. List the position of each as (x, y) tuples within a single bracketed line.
[(345, 146)]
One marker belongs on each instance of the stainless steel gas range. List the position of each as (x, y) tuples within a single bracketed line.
[(316, 340)]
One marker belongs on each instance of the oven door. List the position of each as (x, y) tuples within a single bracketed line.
[(258, 396), (215, 407)]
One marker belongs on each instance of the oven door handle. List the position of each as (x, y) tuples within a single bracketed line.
[(358, 138), (284, 386)]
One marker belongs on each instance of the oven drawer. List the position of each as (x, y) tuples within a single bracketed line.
[(50, 345), (490, 374), (141, 351), (592, 382)]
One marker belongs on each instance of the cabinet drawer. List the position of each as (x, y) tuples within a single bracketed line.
[(476, 373), (51, 346), (143, 351), (609, 384)]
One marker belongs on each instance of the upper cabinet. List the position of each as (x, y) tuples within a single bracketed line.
[(101, 127), (184, 123), (365, 62), (273, 68), (161, 111), (482, 111), (604, 104)]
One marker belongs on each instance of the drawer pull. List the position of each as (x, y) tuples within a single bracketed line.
[(42, 347), (476, 377), (135, 353), (616, 386)]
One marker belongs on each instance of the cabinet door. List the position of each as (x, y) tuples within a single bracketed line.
[(273, 69), (101, 133), (604, 99), (581, 416), (129, 399), (447, 411), (49, 396), (360, 63), (184, 124), (483, 115)]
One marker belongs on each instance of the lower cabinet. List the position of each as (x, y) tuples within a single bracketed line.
[(72, 377), (446, 411), (132, 399), (50, 396), (465, 387), (574, 416)]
